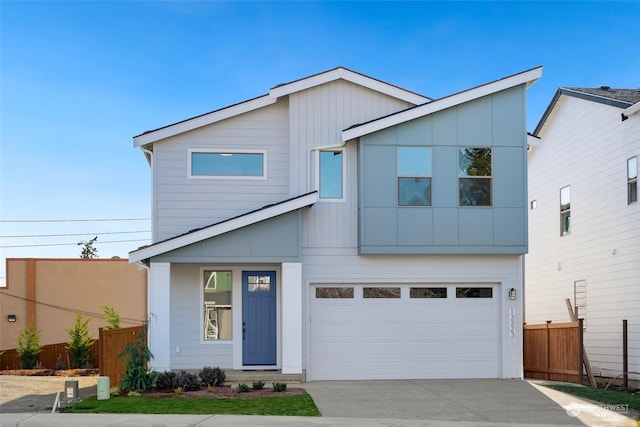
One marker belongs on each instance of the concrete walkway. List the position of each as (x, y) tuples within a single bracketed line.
[(411, 403)]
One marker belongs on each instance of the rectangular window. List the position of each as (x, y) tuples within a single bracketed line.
[(414, 176), (632, 180), (227, 164), (217, 304), (474, 176), (474, 292), (381, 292), (331, 171), (428, 293), (565, 210), (334, 292)]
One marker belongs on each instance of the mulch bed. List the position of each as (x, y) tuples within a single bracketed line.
[(227, 392), (51, 372)]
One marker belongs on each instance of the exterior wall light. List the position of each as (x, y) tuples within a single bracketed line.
[(512, 294), (11, 317)]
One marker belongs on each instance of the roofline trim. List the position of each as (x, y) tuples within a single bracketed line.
[(223, 227), (529, 77), (634, 109)]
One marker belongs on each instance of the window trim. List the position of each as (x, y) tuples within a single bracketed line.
[(430, 176), (489, 177), (342, 150), (191, 151), (632, 182)]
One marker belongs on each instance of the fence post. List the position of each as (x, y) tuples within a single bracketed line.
[(548, 362), (625, 357), (581, 349), (101, 351)]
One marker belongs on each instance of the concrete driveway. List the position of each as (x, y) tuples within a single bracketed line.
[(494, 401)]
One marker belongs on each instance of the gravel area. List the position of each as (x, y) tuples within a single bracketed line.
[(37, 394)]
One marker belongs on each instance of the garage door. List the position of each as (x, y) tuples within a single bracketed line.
[(404, 332)]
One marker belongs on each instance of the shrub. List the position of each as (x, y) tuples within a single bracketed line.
[(112, 316), (187, 381), (166, 381), (258, 385), (243, 388), (212, 376), (29, 346), (80, 343), (279, 387), (135, 356)]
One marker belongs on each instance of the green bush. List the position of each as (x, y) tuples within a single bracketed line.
[(243, 388), (212, 376), (166, 381), (29, 347), (135, 356), (187, 381), (80, 343), (279, 387), (258, 385)]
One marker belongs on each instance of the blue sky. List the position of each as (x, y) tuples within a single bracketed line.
[(80, 79)]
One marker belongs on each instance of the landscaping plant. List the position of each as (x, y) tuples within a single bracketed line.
[(28, 346), (135, 356), (80, 343), (212, 376), (111, 316)]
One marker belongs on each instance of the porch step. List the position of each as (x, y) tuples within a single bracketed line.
[(248, 377)]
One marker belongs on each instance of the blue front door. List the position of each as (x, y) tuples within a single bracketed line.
[(259, 318)]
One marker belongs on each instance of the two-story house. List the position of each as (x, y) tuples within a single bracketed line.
[(584, 220), (341, 227)]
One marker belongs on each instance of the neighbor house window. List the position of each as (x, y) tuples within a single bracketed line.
[(474, 176), (565, 210), (632, 180), (216, 288), (414, 176), (232, 164), (331, 174)]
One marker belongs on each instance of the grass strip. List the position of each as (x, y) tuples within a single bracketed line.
[(299, 405), (610, 397)]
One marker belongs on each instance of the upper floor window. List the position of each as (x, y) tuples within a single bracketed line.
[(565, 210), (331, 174), (414, 176), (230, 164), (474, 176), (632, 180)]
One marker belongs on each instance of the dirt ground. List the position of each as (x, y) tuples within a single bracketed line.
[(38, 393)]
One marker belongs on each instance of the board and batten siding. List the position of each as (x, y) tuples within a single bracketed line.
[(317, 118), (348, 267), (182, 204), (586, 145)]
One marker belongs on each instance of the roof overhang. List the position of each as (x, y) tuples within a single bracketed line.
[(634, 109), (226, 226), (526, 77)]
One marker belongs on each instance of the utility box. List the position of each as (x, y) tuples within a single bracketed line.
[(103, 388), (71, 391)]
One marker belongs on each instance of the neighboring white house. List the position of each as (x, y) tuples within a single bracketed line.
[(584, 220), (340, 227)]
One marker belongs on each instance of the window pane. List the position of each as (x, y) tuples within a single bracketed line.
[(428, 293), (217, 305), (331, 174), (227, 164), (474, 292), (259, 283), (475, 191), (381, 292), (633, 191), (632, 168), (336, 292), (565, 198), (414, 191), (475, 161), (414, 161), (565, 222)]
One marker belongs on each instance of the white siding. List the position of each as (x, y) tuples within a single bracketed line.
[(317, 118), (182, 204), (586, 145)]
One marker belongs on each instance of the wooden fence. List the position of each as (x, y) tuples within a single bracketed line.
[(52, 356), (554, 351), (112, 343)]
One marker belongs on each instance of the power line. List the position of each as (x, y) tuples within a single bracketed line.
[(74, 234), (71, 244), (75, 220)]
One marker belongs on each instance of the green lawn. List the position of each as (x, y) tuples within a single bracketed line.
[(609, 397)]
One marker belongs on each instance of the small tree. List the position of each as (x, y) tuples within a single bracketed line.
[(80, 343), (88, 249), (29, 346), (111, 316), (135, 356)]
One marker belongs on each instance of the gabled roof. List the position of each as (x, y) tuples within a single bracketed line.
[(529, 77), (246, 219), (620, 98), (276, 92)]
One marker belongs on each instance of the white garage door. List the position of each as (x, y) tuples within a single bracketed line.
[(404, 332)]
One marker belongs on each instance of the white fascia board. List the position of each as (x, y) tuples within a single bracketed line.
[(533, 141), (528, 77), (224, 227), (359, 79), (634, 109), (205, 119)]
